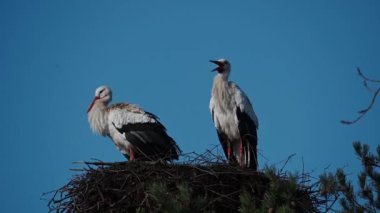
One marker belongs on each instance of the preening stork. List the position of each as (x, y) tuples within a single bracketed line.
[(136, 133), (235, 121)]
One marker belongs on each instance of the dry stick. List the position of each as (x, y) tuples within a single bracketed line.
[(227, 196), (375, 93), (366, 78), (287, 160), (363, 111)]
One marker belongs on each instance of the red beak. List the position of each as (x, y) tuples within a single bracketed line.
[(220, 66), (92, 103)]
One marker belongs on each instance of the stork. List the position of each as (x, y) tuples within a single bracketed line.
[(136, 133), (234, 119)]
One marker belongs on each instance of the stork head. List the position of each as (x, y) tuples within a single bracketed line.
[(223, 68), (103, 94)]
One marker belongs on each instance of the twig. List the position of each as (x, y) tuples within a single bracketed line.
[(286, 161), (366, 78), (372, 102)]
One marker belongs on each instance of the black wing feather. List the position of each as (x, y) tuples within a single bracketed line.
[(248, 134), (150, 141)]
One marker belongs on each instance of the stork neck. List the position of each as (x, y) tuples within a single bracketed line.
[(221, 92), (224, 75), (97, 117), (221, 80)]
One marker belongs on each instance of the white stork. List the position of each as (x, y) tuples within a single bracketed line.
[(235, 121), (136, 133)]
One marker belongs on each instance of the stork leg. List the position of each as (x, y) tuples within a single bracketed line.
[(241, 153), (131, 154), (229, 151)]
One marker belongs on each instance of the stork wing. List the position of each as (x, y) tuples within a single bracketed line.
[(247, 127), (147, 135), (247, 124), (243, 103)]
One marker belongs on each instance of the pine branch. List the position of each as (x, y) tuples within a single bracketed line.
[(364, 199)]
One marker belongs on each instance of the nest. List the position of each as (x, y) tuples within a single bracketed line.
[(196, 184)]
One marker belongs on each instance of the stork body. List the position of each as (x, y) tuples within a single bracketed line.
[(136, 133), (234, 118)]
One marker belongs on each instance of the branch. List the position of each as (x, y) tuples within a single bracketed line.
[(287, 160), (369, 107), (366, 78)]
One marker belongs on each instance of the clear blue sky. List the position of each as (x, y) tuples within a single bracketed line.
[(296, 60)]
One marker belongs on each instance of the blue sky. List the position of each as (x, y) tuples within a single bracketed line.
[(296, 60)]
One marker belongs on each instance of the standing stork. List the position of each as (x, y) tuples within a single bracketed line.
[(136, 133), (235, 121)]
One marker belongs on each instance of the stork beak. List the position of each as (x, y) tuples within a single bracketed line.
[(219, 68), (92, 103)]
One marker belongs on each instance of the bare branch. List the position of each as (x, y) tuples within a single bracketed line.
[(287, 160), (362, 112), (366, 78)]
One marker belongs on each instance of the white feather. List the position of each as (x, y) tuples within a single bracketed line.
[(122, 117), (223, 108), (97, 118), (243, 103)]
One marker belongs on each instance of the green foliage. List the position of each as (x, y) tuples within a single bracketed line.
[(285, 209), (281, 196), (247, 203), (181, 200), (364, 199)]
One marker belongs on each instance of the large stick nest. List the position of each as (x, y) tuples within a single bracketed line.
[(127, 187)]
